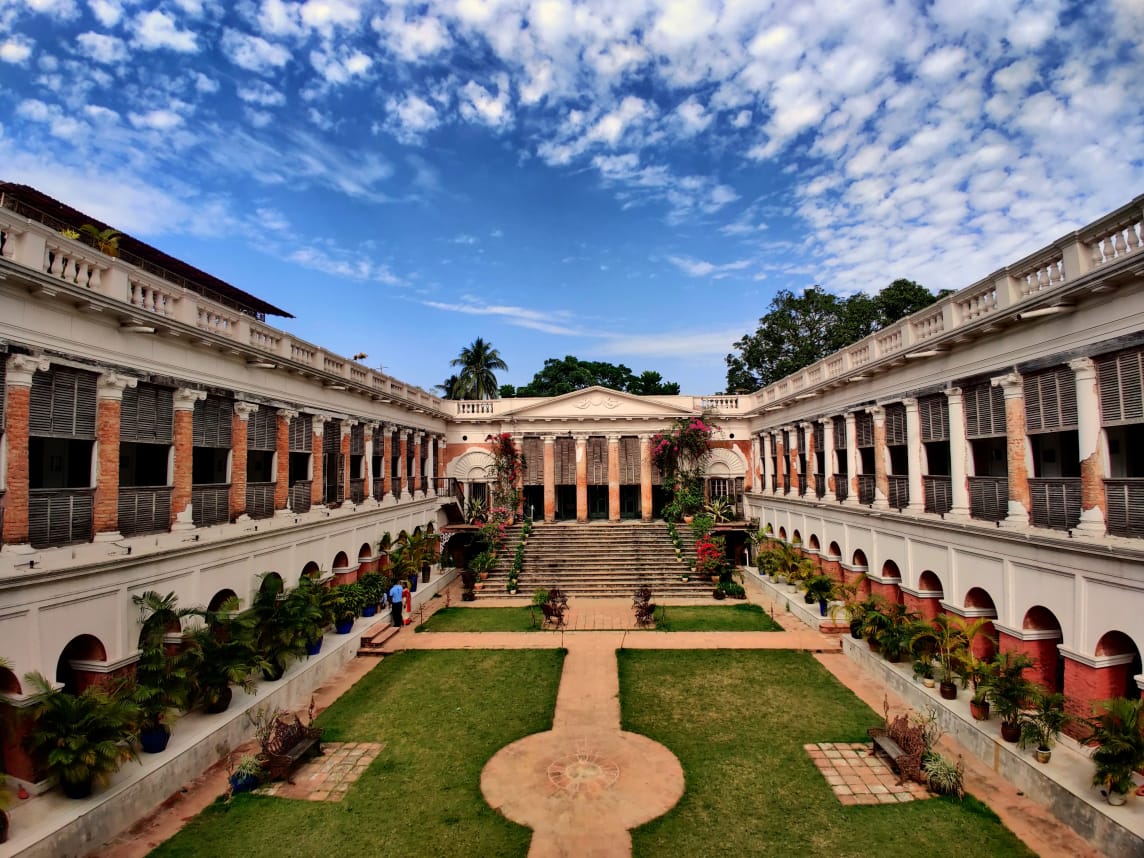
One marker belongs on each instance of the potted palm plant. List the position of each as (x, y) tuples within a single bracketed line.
[(280, 626), (226, 655), (164, 674), (311, 611), (84, 738), (1008, 690), (1119, 730), (820, 589), (1041, 724), (348, 600)]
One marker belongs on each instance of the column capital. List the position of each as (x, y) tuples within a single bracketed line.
[(110, 385), (1011, 384), (318, 421), (186, 397), (549, 440), (952, 393), (287, 414), (243, 410), (418, 435), (346, 427), (644, 437), (1084, 367), (21, 368), (878, 412), (388, 427), (807, 424), (404, 433), (910, 402), (614, 437)]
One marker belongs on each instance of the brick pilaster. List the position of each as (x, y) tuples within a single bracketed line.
[(318, 459), (20, 370), (582, 478), (645, 477), (185, 400), (387, 460), (417, 461), (550, 477), (1017, 444), (344, 451), (282, 458), (613, 478), (403, 461), (1093, 500), (881, 456), (238, 426), (109, 402)]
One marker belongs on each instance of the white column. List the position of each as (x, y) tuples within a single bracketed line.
[(958, 456), (768, 464), (430, 482), (369, 427), (756, 464), (851, 459), (1093, 467), (881, 458), (914, 456), (828, 457)]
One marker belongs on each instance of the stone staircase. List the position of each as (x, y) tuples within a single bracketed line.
[(601, 559)]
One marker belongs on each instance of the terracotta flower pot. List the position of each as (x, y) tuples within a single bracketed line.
[(948, 690), (979, 710), (1043, 755), (1010, 731)]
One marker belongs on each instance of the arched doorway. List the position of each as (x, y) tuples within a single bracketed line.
[(1040, 635), (930, 593), (80, 648), (888, 587), (980, 604)]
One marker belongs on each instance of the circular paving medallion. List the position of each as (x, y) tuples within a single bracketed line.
[(584, 772)]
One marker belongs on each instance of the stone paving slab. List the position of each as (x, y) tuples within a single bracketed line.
[(328, 777), (856, 776)]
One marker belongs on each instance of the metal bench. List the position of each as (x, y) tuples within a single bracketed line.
[(290, 742)]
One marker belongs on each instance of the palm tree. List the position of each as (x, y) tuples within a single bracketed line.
[(449, 387), (476, 379)]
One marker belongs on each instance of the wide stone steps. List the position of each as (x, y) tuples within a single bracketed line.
[(597, 560)]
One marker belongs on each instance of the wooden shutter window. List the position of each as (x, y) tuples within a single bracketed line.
[(1122, 388), (597, 461), (262, 430), (332, 437), (62, 403), (1050, 400), (146, 414), (984, 411), (211, 422), (933, 412), (629, 461), (864, 425), (565, 461), (302, 434), (357, 440), (839, 433), (895, 424), (532, 448), (819, 437)]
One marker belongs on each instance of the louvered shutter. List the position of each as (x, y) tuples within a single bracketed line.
[(839, 433), (933, 412), (895, 424), (332, 437), (565, 461), (302, 434), (1050, 400), (984, 411), (819, 437), (146, 414), (62, 403), (864, 426), (1122, 388), (629, 461), (533, 451), (262, 430), (211, 422), (597, 461), (357, 440)]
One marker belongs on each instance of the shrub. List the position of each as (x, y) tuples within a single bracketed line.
[(943, 776)]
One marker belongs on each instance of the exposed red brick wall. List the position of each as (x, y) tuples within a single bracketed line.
[(282, 462), (832, 568), (344, 449), (417, 464), (237, 466), (1086, 686), (18, 724), (1043, 652), (318, 458), (889, 592), (403, 467), (16, 434), (387, 461), (1016, 441), (983, 645), (184, 447), (106, 501), (853, 577)]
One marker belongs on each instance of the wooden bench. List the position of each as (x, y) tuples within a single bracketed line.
[(290, 742), (907, 765), (553, 614)]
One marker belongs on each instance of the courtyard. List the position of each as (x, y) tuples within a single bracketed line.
[(700, 736)]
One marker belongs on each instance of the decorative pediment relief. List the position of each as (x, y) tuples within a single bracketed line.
[(602, 402)]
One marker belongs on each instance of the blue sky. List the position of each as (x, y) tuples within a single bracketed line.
[(624, 181)]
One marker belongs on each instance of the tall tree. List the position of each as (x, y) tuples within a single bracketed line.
[(564, 375), (477, 377), (799, 330), (448, 387)]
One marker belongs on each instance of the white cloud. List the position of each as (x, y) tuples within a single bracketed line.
[(669, 344), (412, 40), (612, 125), (253, 53), (477, 104), (157, 30), (703, 268), (15, 50), (339, 67), (102, 48), (414, 117), (693, 117), (261, 94), (548, 322), (107, 12), (156, 120)]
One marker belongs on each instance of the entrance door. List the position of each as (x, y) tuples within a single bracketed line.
[(629, 501), (565, 502), (597, 501)]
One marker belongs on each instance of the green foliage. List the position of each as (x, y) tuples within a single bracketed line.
[(781, 345), (701, 525), (227, 653), (105, 240), (348, 601), (164, 676), (560, 376), (1041, 724), (84, 737), (1008, 689), (478, 363), (820, 588), (944, 776), (282, 622), (1119, 730)]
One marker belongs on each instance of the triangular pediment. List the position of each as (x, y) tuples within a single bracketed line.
[(601, 403)]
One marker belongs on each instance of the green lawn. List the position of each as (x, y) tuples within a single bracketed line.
[(741, 617), (442, 715), (456, 619), (737, 720)]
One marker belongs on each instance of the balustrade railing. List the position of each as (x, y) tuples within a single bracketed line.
[(866, 489), (939, 494), (1125, 506), (144, 509), (989, 498), (1056, 502), (899, 491), (60, 516), (260, 500), (210, 505)]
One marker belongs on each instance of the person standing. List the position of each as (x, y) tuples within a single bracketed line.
[(407, 599), (395, 603)]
